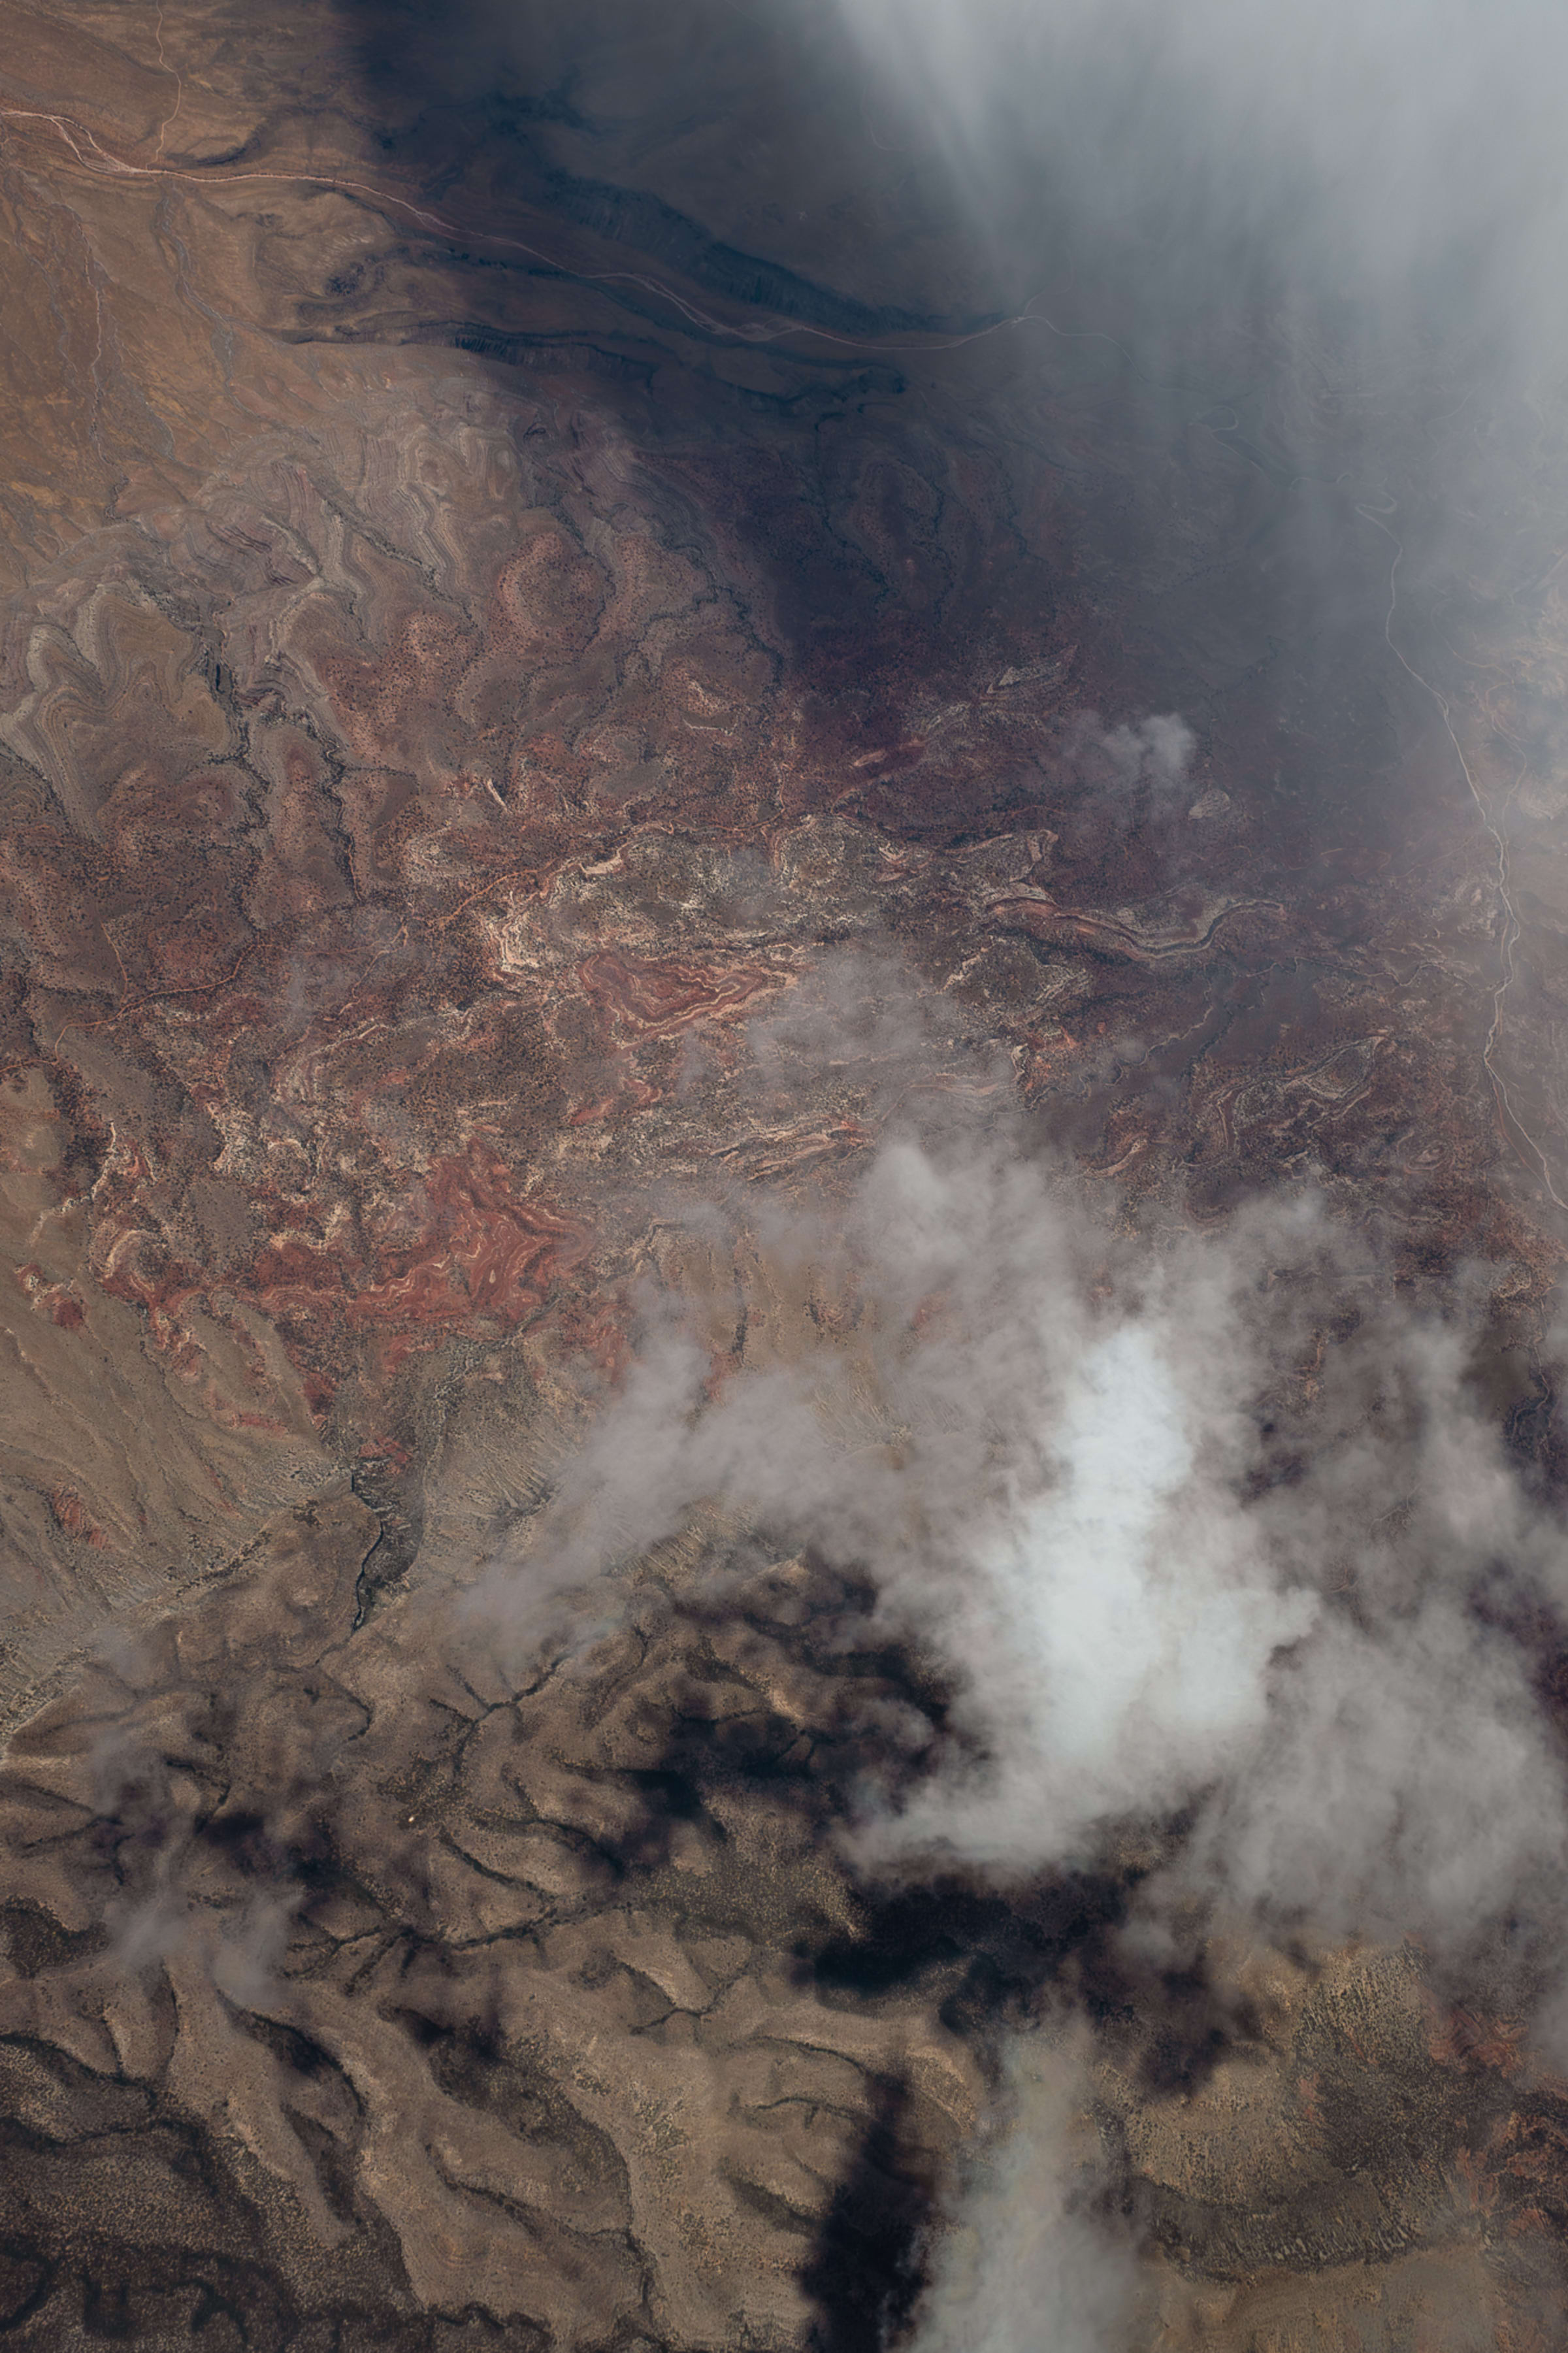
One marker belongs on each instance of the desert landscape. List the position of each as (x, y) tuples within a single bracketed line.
[(784, 1164)]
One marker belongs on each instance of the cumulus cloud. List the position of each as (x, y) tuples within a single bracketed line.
[(1176, 1550), (1031, 2262), (1151, 751), (1203, 1530), (1194, 1522)]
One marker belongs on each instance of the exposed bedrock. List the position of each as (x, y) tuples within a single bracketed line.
[(546, 686)]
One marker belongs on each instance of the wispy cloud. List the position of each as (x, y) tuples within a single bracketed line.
[(1203, 1531)]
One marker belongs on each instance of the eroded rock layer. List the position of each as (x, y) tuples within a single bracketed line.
[(492, 620)]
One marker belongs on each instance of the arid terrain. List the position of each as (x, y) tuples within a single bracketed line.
[(497, 618)]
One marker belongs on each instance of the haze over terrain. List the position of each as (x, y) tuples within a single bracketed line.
[(785, 846)]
